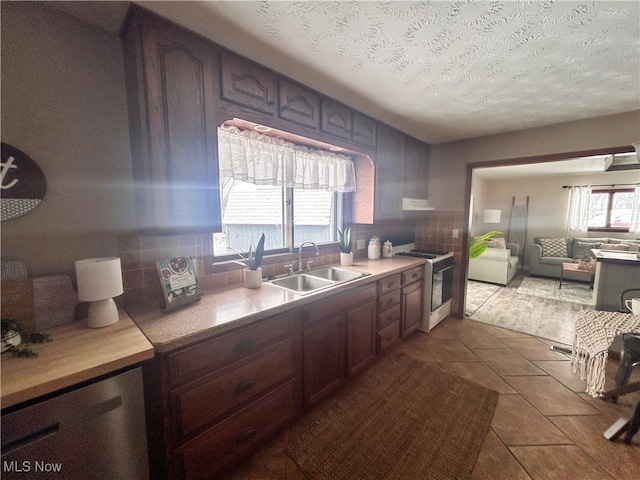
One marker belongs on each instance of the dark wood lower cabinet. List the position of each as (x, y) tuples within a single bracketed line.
[(212, 403), (412, 303), (324, 359), (361, 337)]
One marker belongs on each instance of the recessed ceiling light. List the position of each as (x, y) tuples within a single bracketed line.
[(262, 128)]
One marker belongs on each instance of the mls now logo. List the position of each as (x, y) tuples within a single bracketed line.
[(28, 466)]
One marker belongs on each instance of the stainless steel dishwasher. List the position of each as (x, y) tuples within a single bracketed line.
[(96, 431)]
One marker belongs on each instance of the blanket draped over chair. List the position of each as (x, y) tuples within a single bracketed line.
[(594, 334)]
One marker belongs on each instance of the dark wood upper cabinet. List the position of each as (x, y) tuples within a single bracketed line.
[(389, 183), (416, 169), (246, 83), (171, 83), (364, 130), (299, 105), (336, 119)]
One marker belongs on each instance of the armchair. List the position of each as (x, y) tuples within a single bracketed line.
[(495, 265)]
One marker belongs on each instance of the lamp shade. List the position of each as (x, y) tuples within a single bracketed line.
[(99, 278), (491, 216)]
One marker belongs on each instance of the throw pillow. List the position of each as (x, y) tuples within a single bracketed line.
[(553, 247), (614, 246), (497, 243), (583, 250)]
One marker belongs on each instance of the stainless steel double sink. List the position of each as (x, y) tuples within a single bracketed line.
[(314, 280)]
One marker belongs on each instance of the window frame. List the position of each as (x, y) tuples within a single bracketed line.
[(213, 264), (610, 192)]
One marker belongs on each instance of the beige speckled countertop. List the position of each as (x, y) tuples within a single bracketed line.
[(76, 354), (224, 309)]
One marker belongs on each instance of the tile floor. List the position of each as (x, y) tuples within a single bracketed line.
[(544, 426)]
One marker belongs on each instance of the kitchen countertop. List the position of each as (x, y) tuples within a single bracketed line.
[(225, 309), (610, 256), (76, 354)]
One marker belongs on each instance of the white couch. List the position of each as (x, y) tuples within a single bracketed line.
[(495, 265)]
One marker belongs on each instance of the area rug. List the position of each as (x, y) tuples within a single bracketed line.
[(400, 419), (477, 294), (546, 288)]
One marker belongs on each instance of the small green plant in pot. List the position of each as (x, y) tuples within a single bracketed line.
[(478, 245), (252, 261), (344, 243)]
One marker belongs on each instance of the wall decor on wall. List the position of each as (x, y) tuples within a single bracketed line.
[(22, 183)]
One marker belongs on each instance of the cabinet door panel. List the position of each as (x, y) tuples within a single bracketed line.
[(336, 119), (245, 83), (389, 173), (416, 171), (171, 79), (299, 105), (324, 359), (364, 130), (412, 303), (361, 337)]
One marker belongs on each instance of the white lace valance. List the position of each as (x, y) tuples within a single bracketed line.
[(262, 160)]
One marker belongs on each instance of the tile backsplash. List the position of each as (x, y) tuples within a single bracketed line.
[(139, 253)]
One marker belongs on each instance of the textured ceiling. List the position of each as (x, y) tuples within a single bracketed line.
[(441, 70)]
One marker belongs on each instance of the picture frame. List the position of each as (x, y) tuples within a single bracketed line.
[(176, 283)]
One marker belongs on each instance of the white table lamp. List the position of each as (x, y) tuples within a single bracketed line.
[(99, 280)]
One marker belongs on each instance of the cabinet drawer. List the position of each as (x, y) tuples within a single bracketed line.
[(388, 336), (412, 275), (389, 300), (210, 355), (219, 447), (339, 303), (389, 283), (388, 317), (196, 407)]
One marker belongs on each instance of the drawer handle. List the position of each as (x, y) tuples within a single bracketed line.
[(389, 337), (390, 284), (244, 344), (390, 301), (244, 385), (415, 275), (244, 436)]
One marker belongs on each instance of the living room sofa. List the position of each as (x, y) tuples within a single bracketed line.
[(550, 265), (495, 265)]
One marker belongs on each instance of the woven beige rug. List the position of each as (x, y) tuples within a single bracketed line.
[(401, 419)]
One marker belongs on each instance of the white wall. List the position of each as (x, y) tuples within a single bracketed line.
[(64, 105), (447, 171)]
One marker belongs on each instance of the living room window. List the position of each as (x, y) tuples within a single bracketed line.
[(611, 209)]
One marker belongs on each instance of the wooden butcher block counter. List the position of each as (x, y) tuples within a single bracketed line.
[(75, 355)]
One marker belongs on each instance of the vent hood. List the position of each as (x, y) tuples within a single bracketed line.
[(415, 204)]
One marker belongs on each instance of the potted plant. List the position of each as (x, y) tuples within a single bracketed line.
[(478, 245), (344, 243), (253, 271)]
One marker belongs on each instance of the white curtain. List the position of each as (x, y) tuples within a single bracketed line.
[(263, 160), (578, 216), (635, 212)]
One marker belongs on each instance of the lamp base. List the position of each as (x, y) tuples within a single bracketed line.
[(102, 313)]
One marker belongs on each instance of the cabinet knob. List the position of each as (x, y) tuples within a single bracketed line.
[(244, 344), (244, 385), (246, 435)]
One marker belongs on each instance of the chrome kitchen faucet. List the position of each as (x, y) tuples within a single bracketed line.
[(306, 242)]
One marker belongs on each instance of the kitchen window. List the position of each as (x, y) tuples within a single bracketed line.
[(289, 192)]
